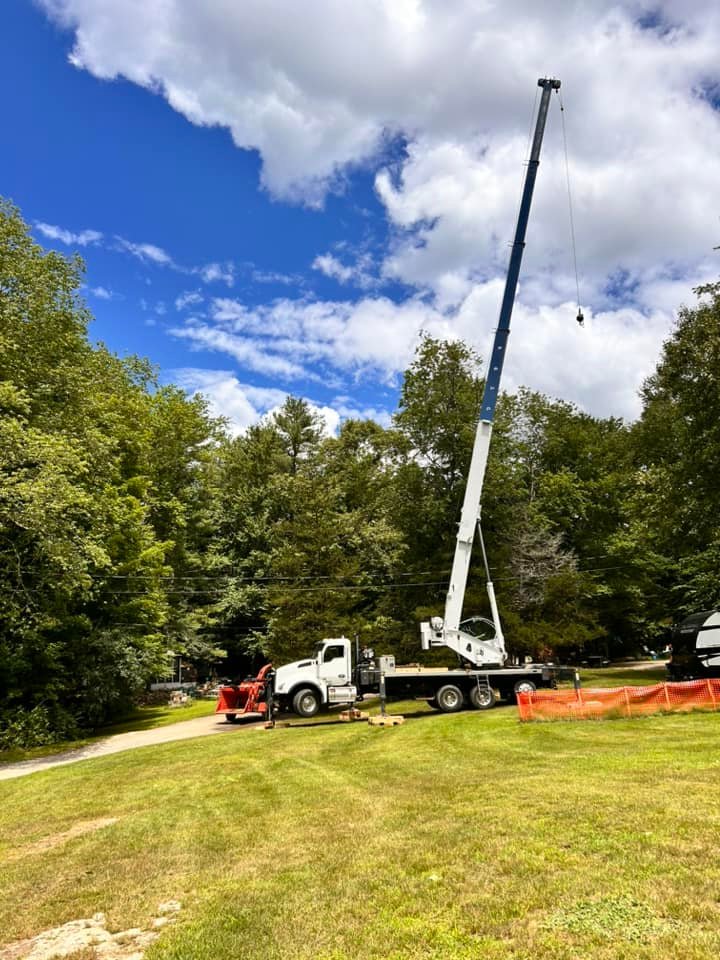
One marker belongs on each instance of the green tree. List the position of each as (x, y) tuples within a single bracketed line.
[(677, 445), (299, 429), (245, 510), (99, 496)]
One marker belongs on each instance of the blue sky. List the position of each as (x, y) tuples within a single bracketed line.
[(271, 201)]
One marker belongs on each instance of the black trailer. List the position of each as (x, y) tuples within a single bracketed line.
[(696, 647)]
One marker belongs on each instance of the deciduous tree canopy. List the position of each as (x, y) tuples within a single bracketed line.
[(133, 528)]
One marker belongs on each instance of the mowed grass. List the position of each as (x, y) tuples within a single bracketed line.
[(453, 836), (637, 675)]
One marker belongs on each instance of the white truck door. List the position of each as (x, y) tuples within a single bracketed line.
[(334, 664)]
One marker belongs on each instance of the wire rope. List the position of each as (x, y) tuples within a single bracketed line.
[(580, 318)]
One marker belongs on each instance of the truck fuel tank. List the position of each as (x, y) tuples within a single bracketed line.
[(346, 694)]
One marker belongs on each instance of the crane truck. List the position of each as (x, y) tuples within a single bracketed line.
[(330, 676)]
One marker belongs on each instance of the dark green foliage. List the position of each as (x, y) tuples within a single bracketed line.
[(99, 511), (305, 530), (677, 449)]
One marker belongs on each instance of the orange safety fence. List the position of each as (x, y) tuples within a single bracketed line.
[(598, 703)]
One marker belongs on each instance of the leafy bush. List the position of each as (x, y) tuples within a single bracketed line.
[(35, 728)]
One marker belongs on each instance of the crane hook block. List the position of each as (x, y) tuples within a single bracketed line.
[(580, 318)]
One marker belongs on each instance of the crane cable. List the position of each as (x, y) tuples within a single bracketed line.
[(580, 318)]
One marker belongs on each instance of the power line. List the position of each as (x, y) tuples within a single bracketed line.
[(339, 586)]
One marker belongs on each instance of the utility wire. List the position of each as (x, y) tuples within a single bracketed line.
[(327, 587), (315, 578)]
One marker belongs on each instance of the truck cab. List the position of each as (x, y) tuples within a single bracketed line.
[(324, 678)]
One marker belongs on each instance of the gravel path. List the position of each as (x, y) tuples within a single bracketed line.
[(184, 730)]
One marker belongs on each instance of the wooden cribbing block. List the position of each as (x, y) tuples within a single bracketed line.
[(349, 715), (386, 721)]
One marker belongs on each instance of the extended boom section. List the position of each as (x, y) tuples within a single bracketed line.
[(487, 650)]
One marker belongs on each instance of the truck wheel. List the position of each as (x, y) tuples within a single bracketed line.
[(524, 686), (482, 698), (230, 718), (306, 702), (450, 698)]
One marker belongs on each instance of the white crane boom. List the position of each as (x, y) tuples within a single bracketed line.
[(486, 647)]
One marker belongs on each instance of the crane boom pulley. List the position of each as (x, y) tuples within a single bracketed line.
[(487, 650)]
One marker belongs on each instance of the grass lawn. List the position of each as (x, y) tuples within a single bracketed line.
[(620, 676), (453, 836), (142, 718)]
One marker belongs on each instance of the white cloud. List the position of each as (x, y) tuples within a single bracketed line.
[(102, 293), (349, 411), (305, 97), (359, 273), (82, 239), (331, 267), (147, 252), (203, 336), (217, 273), (189, 298), (455, 82), (240, 403), (290, 338), (600, 366), (329, 417), (275, 276), (243, 404)]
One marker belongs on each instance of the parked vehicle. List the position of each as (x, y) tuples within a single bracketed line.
[(696, 647)]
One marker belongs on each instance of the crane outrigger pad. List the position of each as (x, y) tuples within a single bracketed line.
[(349, 716), (386, 721)]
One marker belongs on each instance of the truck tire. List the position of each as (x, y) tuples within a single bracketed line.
[(450, 698), (482, 698), (306, 702), (524, 686)]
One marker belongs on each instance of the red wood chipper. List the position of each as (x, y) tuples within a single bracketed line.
[(250, 696)]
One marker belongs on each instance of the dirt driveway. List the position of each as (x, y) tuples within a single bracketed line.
[(184, 730)]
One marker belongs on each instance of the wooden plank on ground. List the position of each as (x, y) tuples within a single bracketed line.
[(349, 715)]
